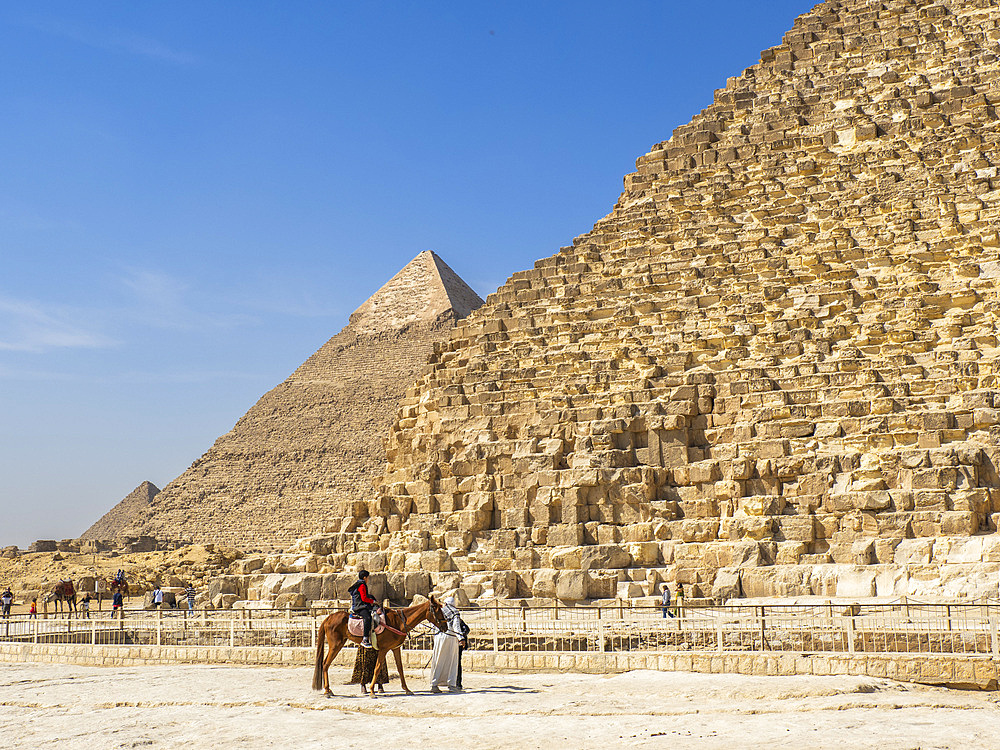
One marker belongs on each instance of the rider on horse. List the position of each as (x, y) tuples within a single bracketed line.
[(362, 604)]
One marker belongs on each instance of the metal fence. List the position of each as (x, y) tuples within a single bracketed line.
[(906, 627)]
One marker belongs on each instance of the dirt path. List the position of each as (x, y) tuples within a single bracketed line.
[(48, 706)]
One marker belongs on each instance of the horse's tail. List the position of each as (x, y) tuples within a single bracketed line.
[(320, 649)]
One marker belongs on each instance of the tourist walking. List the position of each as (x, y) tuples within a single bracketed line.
[(666, 602), (444, 658), (680, 601), (118, 605), (85, 606), (157, 597), (190, 594), (33, 610), (6, 599)]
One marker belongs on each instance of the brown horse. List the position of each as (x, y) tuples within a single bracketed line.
[(62, 592), (334, 630)]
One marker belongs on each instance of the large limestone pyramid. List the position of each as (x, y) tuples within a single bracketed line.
[(772, 368), (125, 514), (304, 456)]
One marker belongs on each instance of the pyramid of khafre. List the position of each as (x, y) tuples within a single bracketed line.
[(771, 368), (131, 508), (304, 456)]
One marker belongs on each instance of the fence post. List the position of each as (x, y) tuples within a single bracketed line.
[(718, 631), (159, 626), (850, 631), (994, 640), (763, 625), (496, 625), (315, 627), (35, 621), (232, 632), (93, 632)]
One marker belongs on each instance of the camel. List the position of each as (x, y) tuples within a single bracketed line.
[(399, 622), (62, 592)]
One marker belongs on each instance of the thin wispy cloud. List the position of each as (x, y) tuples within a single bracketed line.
[(116, 40), (29, 326), (161, 300), (176, 376)]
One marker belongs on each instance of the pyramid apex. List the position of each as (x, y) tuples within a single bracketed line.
[(423, 291)]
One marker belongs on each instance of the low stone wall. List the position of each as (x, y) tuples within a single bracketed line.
[(970, 672)]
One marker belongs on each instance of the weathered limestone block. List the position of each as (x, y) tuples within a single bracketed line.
[(727, 585), (856, 582), (643, 553), (747, 527), (567, 558), (543, 583), (602, 556), (790, 553), (914, 552), (436, 561), (601, 585), (288, 599), (571, 584)]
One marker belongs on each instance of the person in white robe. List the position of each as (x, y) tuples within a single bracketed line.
[(444, 659)]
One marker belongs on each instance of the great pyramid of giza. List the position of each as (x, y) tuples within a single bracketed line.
[(772, 368), (303, 458), (131, 508)]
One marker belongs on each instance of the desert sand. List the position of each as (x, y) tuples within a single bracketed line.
[(231, 707)]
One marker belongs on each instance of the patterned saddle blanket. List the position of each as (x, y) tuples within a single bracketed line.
[(356, 626)]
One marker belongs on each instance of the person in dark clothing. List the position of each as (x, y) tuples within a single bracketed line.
[(463, 644), (362, 604)]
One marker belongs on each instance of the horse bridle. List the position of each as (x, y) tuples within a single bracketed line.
[(406, 624)]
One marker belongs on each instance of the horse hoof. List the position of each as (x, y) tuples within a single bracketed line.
[(408, 692)]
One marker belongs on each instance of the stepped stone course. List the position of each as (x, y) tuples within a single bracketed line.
[(771, 369), (303, 458)]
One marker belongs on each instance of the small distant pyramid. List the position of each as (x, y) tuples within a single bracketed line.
[(309, 448), (132, 507)]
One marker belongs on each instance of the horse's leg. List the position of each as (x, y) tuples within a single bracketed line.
[(379, 665), (335, 642), (396, 652)]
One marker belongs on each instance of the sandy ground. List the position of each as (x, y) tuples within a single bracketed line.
[(47, 706)]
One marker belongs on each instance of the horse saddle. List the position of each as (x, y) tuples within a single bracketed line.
[(356, 626)]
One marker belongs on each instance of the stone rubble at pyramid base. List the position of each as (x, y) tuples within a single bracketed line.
[(954, 568)]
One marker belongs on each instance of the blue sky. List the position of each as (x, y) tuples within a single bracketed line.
[(195, 195)]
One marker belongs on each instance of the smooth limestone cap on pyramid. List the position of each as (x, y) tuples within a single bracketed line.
[(422, 292), (304, 456), (772, 368)]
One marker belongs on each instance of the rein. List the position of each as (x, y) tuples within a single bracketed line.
[(406, 624)]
